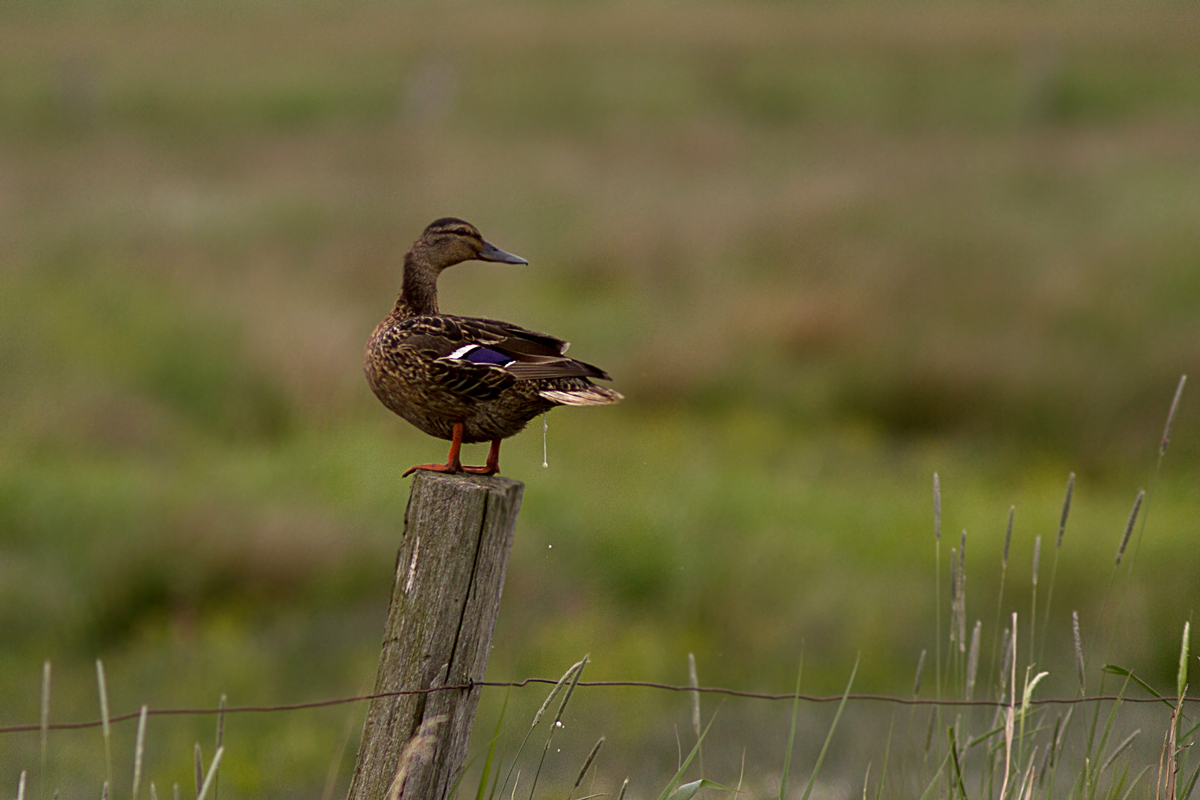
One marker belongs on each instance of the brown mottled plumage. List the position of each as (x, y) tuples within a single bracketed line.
[(462, 378)]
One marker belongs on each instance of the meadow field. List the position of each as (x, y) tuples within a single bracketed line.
[(824, 250)]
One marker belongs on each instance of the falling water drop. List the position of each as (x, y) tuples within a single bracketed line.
[(545, 427)]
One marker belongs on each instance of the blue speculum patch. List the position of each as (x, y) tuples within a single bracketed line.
[(484, 355)]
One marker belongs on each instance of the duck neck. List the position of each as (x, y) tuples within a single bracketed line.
[(418, 292)]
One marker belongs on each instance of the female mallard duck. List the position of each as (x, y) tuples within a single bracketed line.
[(462, 378)]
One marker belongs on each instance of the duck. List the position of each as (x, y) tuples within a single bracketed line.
[(468, 379)]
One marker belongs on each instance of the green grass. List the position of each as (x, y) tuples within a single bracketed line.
[(825, 252)]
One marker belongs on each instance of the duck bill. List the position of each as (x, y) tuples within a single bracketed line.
[(492, 253)]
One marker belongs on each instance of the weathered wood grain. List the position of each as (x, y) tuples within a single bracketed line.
[(458, 532)]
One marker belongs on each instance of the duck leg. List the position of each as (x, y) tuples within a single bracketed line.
[(452, 462), (493, 461)]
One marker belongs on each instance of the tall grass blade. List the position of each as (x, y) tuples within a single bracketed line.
[(21, 786), (491, 751), (669, 792), (933, 781), (105, 728), (952, 742), (812, 779), (1113, 669), (787, 755)]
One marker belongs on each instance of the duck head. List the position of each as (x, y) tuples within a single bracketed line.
[(449, 241)]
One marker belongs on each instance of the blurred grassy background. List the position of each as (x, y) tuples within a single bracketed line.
[(824, 250)]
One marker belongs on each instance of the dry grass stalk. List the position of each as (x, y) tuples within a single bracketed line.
[(962, 593), (1027, 782), (1079, 663), (199, 764), (1005, 663), (139, 749), (419, 749), (220, 739), (1010, 712), (45, 726), (694, 682), (1166, 437), (624, 786), (937, 508), (211, 777), (1137, 506), (1037, 554), (105, 727), (21, 786), (920, 672)]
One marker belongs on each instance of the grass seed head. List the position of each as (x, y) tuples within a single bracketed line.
[(1008, 535), (1062, 523), (937, 508), (973, 658), (588, 763), (1137, 506), (1037, 554)]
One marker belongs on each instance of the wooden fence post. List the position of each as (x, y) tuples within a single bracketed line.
[(458, 532)]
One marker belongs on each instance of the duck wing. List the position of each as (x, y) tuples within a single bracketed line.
[(521, 353)]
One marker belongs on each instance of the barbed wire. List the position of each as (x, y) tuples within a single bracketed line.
[(718, 690)]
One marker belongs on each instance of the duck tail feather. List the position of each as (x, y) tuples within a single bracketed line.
[(591, 396)]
